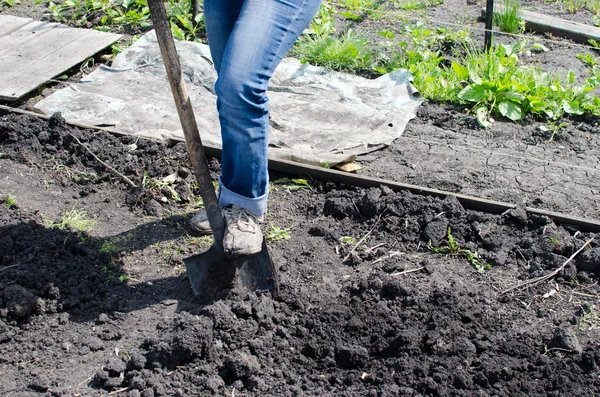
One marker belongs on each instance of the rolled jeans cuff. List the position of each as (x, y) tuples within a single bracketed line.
[(255, 205)]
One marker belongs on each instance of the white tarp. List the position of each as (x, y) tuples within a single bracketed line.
[(316, 115)]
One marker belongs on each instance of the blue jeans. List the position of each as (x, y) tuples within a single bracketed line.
[(247, 40)]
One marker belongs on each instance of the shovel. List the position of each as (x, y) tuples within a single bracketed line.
[(211, 273)]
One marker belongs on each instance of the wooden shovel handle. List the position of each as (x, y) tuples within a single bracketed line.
[(186, 116)]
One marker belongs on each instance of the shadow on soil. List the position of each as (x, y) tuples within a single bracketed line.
[(47, 270)]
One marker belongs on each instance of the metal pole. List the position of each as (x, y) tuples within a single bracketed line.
[(489, 23)]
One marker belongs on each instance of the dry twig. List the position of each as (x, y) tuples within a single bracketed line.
[(129, 181), (8, 267), (365, 236), (548, 276), (407, 271)]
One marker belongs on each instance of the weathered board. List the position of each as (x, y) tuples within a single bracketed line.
[(33, 52), (559, 27)]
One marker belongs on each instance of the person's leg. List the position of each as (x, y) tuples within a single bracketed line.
[(220, 17), (263, 33)]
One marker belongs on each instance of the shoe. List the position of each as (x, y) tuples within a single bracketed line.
[(199, 223), (242, 232)]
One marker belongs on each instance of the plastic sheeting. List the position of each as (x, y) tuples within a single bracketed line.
[(316, 115)]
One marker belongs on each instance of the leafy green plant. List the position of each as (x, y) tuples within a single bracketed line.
[(276, 233), (9, 200), (75, 219), (508, 19), (127, 15), (323, 23), (9, 3), (454, 248), (588, 59), (349, 52), (552, 128)]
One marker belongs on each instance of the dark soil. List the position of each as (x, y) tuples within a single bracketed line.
[(111, 311)]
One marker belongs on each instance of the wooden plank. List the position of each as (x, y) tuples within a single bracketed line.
[(29, 63), (24, 34), (541, 23), (9, 23), (303, 170)]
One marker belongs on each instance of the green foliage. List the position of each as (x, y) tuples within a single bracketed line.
[(323, 23), (349, 52), (417, 4), (9, 3), (454, 248), (127, 15), (9, 200), (508, 19), (276, 233)]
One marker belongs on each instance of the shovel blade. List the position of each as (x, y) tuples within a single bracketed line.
[(211, 273)]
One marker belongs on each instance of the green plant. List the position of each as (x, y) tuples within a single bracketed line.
[(323, 23), (9, 3), (349, 52), (75, 219), (276, 233), (348, 240), (9, 200), (417, 4), (508, 19), (588, 59), (127, 15), (553, 128), (454, 248)]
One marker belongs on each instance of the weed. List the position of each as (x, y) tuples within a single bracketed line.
[(588, 59), (417, 4), (9, 3), (110, 247), (75, 219), (323, 23), (276, 233), (553, 128), (590, 319), (508, 19), (349, 52), (9, 200), (348, 240), (127, 15), (454, 248)]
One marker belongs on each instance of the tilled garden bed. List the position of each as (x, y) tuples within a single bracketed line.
[(383, 293)]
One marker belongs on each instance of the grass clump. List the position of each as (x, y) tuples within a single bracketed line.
[(9, 200), (508, 19), (349, 52), (75, 219)]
